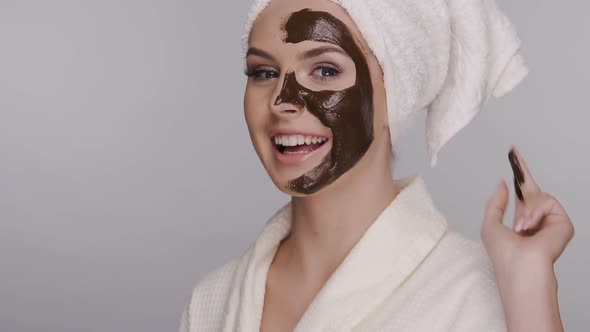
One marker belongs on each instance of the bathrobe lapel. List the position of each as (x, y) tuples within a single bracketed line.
[(389, 251)]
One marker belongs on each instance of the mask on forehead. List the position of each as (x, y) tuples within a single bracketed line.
[(348, 113)]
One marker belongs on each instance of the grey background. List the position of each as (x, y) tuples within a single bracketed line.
[(126, 170)]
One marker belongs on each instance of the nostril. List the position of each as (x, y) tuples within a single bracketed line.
[(291, 92)]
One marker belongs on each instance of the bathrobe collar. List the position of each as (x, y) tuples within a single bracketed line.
[(390, 250)]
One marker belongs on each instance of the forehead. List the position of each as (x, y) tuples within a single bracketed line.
[(268, 26)]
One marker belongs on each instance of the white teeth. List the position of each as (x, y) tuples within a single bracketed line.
[(300, 140), (294, 140)]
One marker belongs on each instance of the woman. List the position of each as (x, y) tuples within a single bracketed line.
[(331, 85)]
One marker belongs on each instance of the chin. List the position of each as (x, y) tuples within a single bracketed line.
[(286, 161), (281, 181)]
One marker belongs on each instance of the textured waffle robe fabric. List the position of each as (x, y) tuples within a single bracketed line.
[(408, 272)]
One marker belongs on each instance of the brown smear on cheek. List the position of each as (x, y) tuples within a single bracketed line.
[(348, 113)]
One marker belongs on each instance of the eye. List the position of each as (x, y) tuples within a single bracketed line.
[(326, 72), (262, 74)]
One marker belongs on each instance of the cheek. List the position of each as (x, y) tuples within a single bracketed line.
[(257, 115), (252, 108)]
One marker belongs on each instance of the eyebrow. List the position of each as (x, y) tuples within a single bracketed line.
[(321, 50), (260, 53), (306, 55)]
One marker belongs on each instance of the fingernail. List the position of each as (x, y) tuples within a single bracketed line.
[(518, 225)]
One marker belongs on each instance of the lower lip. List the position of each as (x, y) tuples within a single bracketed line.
[(296, 158)]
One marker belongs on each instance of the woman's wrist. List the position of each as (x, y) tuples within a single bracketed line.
[(529, 296)]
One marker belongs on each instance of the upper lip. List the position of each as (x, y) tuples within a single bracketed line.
[(278, 132)]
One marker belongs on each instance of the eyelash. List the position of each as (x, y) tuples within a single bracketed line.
[(337, 71), (257, 72), (254, 73)]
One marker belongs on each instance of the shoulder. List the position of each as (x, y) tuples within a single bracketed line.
[(217, 279), (463, 255), (214, 287), (461, 269), (460, 263), (209, 297), (453, 289)]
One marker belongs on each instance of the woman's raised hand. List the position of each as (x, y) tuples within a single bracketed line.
[(541, 227), (523, 256)]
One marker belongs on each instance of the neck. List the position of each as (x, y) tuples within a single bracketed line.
[(327, 225)]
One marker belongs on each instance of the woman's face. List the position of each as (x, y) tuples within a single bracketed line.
[(309, 102)]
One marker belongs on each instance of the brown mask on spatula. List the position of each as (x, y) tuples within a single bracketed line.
[(518, 174)]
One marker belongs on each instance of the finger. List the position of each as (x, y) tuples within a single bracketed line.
[(537, 214), (556, 237), (558, 231), (524, 218), (522, 211), (493, 226), (496, 207), (549, 223), (521, 218), (524, 183)]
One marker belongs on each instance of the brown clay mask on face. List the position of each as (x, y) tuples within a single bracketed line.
[(348, 113)]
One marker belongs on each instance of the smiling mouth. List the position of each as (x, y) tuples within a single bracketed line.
[(298, 144)]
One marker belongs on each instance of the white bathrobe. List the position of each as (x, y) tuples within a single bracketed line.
[(406, 273)]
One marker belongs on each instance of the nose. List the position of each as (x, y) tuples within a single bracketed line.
[(289, 100)]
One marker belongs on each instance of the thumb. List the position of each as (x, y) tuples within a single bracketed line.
[(495, 208)]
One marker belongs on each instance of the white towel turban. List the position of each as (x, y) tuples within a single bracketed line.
[(445, 57)]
